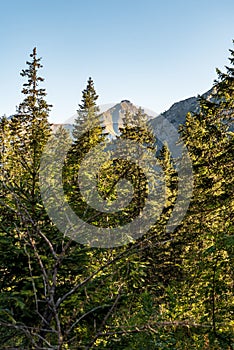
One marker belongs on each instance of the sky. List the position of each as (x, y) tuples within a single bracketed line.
[(151, 52)]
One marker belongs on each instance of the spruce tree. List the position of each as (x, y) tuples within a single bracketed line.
[(23, 217), (88, 132), (31, 122), (135, 130), (88, 120), (208, 227)]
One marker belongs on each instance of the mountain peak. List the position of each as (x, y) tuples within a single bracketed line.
[(125, 101), (112, 115)]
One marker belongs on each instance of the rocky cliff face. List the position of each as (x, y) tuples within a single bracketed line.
[(176, 114), (166, 125), (113, 115)]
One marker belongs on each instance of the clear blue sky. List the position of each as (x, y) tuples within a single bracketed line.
[(152, 52)]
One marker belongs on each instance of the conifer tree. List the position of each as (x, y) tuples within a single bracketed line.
[(88, 132), (208, 227), (30, 123), (87, 125), (165, 259), (22, 219), (57, 294), (136, 130)]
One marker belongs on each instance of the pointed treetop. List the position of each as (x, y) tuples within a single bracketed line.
[(89, 96), (34, 95), (34, 53), (88, 115)]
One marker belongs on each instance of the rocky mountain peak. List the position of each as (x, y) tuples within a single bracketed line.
[(112, 114)]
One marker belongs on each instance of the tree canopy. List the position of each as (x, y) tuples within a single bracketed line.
[(162, 290)]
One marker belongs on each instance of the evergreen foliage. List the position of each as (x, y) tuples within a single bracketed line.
[(165, 290)]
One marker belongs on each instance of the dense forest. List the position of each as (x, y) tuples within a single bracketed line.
[(161, 289)]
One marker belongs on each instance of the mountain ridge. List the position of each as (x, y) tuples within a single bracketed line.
[(113, 116)]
